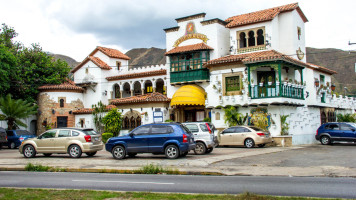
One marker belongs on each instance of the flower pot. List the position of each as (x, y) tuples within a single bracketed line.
[(316, 83), (261, 84), (269, 83), (333, 87)]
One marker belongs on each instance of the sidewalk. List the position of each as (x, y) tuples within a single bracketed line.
[(214, 163)]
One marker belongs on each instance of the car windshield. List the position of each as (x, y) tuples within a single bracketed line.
[(256, 128), (90, 132)]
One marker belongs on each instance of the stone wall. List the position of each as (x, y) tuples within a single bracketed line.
[(50, 109)]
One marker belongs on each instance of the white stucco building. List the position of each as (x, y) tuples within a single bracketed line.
[(254, 61)]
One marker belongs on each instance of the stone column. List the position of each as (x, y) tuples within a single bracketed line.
[(255, 37), (153, 89), (121, 91), (142, 91)]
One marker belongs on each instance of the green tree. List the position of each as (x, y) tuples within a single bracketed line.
[(113, 122), (233, 117), (98, 115), (284, 125), (24, 69), (14, 110), (346, 117)]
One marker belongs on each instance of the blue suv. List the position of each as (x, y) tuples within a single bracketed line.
[(336, 131), (171, 139)]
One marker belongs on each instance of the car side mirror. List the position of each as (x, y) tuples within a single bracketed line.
[(131, 134), (39, 137), (353, 129)]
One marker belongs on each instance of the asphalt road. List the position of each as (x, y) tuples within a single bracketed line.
[(267, 185)]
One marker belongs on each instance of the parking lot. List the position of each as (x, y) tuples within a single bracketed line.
[(308, 160)]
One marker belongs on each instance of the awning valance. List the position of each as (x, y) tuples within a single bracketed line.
[(189, 95)]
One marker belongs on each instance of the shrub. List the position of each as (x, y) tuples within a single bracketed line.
[(155, 169), (106, 136), (36, 168)]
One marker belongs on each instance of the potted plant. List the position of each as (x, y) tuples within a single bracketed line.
[(316, 82), (333, 87), (270, 80), (262, 80), (252, 82), (285, 81), (290, 82)]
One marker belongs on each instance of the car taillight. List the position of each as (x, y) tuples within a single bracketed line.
[(316, 131), (261, 134), (185, 138), (209, 129), (87, 138)]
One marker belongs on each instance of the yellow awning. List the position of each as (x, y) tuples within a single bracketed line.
[(189, 95)]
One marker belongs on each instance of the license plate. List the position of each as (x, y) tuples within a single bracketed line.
[(96, 139)]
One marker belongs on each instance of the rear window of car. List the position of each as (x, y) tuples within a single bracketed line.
[(90, 132), (23, 132), (185, 129), (192, 127), (256, 128)]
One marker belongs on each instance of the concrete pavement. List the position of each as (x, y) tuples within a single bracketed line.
[(225, 161)]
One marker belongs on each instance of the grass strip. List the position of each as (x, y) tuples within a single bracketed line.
[(42, 194)]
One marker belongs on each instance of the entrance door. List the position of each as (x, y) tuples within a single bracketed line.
[(189, 115), (62, 122)]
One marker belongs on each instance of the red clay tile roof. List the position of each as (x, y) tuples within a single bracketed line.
[(137, 75), (322, 69), (97, 61), (68, 85), (263, 15), (147, 98), (112, 53), (260, 56), (90, 110), (193, 47)]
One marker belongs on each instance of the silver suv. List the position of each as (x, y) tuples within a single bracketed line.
[(204, 136), (73, 141)]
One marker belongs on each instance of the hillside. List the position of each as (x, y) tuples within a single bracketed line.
[(144, 57), (71, 62), (343, 62)]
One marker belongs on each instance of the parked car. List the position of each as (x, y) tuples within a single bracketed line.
[(15, 137), (248, 136), (171, 139), (3, 137), (73, 141), (336, 131), (203, 136)]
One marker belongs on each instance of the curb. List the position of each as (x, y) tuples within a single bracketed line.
[(114, 171)]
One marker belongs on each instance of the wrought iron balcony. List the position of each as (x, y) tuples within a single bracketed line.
[(276, 90)]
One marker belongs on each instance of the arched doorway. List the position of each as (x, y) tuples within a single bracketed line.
[(148, 87), (137, 88), (132, 119), (323, 117), (160, 86), (126, 90)]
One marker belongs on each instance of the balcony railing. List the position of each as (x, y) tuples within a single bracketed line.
[(271, 91), (190, 75)]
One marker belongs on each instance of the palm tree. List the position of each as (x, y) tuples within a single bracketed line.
[(14, 110), (233, 117)]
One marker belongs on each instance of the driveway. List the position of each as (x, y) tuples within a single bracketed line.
[(310, 160)]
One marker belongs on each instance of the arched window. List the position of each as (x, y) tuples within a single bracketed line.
[(251, 39), (217, 116), (126, 123), (160, 86), (137, 88), (323, 117), (117, 91), (132, 123), (61, 103), (243, 40), (138, 121), (148, 87), (260, 37)]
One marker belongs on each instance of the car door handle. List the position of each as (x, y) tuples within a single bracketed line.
[(195, 134)]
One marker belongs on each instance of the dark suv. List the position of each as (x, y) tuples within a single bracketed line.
[(171, 139), (336, 131)]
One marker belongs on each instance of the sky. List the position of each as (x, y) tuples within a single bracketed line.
[(75, 27)]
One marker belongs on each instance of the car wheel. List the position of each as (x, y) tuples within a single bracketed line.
[(29, 151), (209, 150), (91, 154), (325, 140), (47, 154), (118, 152), (172, 151), (261, 145), (131, 155), (200, 148), (249, 143), (75, 151), (12, 145)]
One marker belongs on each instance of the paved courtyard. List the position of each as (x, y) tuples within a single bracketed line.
[(309, 160)]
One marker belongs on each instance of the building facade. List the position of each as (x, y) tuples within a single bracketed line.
[(254, 61)]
